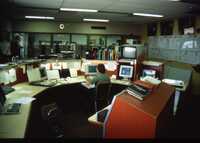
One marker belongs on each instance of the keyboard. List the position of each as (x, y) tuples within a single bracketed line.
[(137, 91), (12, 108), (45, 83)]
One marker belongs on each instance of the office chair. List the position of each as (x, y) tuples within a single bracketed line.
[(52, 115), (102, 98)]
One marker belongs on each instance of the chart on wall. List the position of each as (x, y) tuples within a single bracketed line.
[(181, 48)]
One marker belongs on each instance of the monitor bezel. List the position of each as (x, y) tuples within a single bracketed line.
[(126, 76)]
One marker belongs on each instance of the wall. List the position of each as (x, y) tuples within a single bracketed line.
[(197, 22), (195, 75), (84, 27)]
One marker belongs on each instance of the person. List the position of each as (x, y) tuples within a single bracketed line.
[(5, 53), (15, 46), (100, 76)]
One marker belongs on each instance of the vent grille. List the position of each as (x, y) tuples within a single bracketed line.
[(98, 27)]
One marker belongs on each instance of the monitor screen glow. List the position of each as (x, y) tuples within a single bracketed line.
[(129, 52), (126, 71), (149, 72), (91, 69)]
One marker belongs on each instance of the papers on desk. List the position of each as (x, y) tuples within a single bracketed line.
[(24, 100), (88, 86), (151, 80), (177, 83)]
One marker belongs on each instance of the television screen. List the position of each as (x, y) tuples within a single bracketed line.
[(129, 52), (126, 71), (149, 72)]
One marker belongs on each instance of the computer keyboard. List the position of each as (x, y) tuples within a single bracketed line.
[(13, 108), (138, 89)]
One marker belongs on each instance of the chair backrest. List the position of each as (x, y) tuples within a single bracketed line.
[(50, 111), (103, 90)]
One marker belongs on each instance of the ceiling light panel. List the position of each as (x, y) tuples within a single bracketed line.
[(79, 10), (96, 20), (148, 15), (40, 17)]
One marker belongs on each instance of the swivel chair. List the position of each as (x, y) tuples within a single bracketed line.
[(52, 115), (102, 97)]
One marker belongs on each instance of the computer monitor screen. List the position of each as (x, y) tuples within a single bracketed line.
[(91, 69), (53, 74), (126, 71), (64, 73), (129, 52), (149, 72), (33, 75), (43, 72)]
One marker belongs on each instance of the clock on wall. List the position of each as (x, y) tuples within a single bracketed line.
[(61, 26)]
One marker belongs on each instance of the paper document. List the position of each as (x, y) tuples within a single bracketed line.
[(25, 100), (89, 86)]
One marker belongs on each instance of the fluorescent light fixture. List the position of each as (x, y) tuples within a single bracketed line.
[(40, 17), (96, 20), (77, 9), (148, 15)]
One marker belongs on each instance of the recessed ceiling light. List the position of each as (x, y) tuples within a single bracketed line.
[(148, 15), (96, 20), (77, 9), (40, 17)]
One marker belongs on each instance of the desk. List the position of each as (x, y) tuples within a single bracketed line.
[(14, 126), (120, 82), (179, 92), (93, 119)]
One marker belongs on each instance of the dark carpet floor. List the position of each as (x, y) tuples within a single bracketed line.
[(186, 123)]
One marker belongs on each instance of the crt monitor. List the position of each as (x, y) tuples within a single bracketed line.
[(91, 69), (149, 72), (126, 71), (128, 52)]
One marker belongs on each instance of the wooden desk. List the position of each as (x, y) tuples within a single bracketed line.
[(132, 118)]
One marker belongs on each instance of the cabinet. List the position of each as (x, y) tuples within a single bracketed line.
[(132, 118)]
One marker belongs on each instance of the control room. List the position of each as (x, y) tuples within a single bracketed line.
[(109, 69)]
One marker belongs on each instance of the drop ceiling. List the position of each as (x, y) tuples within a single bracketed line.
[(114, 10)]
